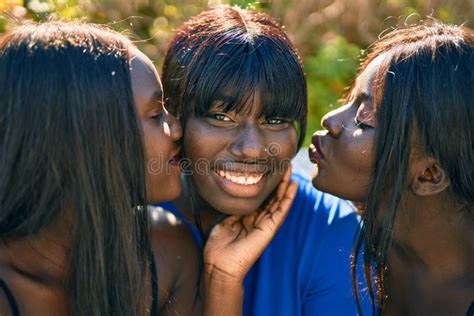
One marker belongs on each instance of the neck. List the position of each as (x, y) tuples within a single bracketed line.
[(208, 214), (436, 235)]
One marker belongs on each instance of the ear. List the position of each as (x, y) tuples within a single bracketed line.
[(429, 178)]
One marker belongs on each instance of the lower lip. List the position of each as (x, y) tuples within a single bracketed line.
[(314, 154), (175, 160), (240, 190)]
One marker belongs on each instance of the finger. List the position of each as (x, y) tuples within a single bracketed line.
[(279, 211), (269, 224), (258, 238), (288, 199), (280, 192), (274, 204), (285, 181), (249, 219), (230, 220)]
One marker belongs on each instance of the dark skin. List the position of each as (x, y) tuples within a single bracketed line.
[(431, 263), (420, 280), (35, 268), (244, 145), (248, 144), (35, 271), (235, 244)]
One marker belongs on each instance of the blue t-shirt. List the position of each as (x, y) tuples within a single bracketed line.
[(305, 270)]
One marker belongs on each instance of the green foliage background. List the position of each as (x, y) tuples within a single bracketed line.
[(329, 34)]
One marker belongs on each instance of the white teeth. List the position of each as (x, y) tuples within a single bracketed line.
[(241, 179)]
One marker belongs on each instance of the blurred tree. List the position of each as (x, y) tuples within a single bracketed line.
[(329, 34)]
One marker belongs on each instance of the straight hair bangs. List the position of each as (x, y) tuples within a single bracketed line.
[(236, 75)]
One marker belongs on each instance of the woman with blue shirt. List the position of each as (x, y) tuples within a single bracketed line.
[(237, 84)]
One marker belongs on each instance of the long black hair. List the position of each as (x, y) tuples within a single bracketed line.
[(424, 86), (71, 150)]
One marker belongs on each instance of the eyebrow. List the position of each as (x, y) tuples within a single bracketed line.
[(362, 96), (156, 96), (154, 100)]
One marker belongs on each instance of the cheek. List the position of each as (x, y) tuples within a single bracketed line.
[(202, 144), (357, 166), (155, 142), (356, 153), (282, 146), (347, 170)]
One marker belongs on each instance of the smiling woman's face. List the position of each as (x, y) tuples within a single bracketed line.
[(238, 159), (343, 152)]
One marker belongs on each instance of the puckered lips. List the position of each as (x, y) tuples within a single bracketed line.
[(176, 158), (315, 152), (241, 179)]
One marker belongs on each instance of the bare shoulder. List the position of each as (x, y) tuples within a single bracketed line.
[(177, 259), (170, 237)]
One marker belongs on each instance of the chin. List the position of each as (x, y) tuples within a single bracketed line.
[(153, 199), (163, 193), (321, 180), (315, 180), (325, 186), (237, 207)]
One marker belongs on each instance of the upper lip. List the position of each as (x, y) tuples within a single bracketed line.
[(316, 141), (176, 154), (245, 168)]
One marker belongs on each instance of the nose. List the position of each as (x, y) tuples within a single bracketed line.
[(332, 121), (175, 130), (249, 143)]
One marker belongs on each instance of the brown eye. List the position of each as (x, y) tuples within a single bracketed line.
[(275, 121), (220, 117)]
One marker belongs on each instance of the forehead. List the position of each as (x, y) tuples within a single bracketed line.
[(247, 102), (365, 80), (145, 79)]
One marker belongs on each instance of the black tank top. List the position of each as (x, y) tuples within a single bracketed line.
[(10, 298)]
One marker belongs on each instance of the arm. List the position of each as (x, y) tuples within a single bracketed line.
[(235, 244)]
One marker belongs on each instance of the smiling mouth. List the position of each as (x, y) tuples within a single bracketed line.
[(242, 183), (241, 178)]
